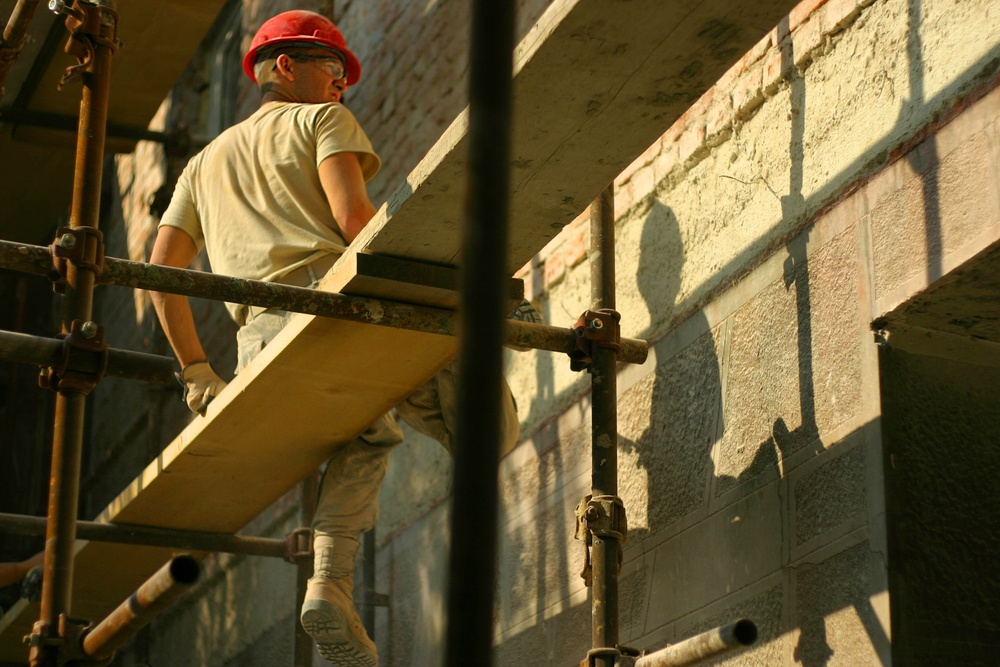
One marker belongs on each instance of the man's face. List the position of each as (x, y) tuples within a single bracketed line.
[(319, 76)]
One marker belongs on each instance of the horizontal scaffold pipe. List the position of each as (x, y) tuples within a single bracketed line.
[(169, 583), (180, 540), (43, 351), (710, 645), (124, 273)]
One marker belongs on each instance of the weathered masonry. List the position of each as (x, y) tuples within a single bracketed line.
[(805, 210)]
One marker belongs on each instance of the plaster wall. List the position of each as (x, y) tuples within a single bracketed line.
[(842, 166)]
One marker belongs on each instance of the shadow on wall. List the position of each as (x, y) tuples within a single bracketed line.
[(684, 437), (681, 448)]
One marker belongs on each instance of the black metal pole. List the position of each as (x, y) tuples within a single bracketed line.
[(43, 351), (308, 497), (604, 447), (124, 273), (368, 582), (77, 303), (181, 540), (474, 502)]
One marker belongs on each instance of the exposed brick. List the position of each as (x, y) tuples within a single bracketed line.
[(727, 80), (719, 115), (674, 132), (692, 139), (554, 268), (665, 162), (806, 40), (575, 248), (838, 14), (624, 197), (748, 95), (644, 180), (776, 68), (779, 33), (531, 274), (802, 11), (760, 49)]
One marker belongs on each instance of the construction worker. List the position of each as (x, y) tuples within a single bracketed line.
[(278, 197)]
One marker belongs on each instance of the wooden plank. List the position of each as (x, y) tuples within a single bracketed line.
[(596, 83), (406, 281), (278, 421)]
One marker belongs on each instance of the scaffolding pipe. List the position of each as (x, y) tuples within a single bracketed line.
[(42, 351), (477, 451), (179, 540), (308, 499), (710, 645), (13, 37), (170, 582), (64, 483), (125, 273), (606, 548), (54, 121)]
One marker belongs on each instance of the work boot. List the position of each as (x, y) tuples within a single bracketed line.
[(328, 613)]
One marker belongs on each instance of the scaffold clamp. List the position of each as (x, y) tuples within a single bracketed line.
[(68, 644), (603, 517), (84, 360), (595, 327), (83, 246), (298, 545)]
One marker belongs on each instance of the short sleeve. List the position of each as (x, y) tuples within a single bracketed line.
[(182, 213), (338, 131)]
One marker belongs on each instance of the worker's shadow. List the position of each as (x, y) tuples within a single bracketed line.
[(685, 400), (685, 416), (671, 433)]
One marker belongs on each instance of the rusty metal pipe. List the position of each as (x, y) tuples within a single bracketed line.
[(180, 540), (710, 645), (606, 549), (124, 273), (43, 351), (308, 498), (170, 582), (13, 36), (77, 304)]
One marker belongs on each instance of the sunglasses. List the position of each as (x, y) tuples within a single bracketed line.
[(333, 65)]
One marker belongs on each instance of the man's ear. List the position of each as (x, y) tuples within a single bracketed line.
[(284, 65)]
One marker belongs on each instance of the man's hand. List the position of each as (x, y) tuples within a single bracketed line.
[(201, 385)]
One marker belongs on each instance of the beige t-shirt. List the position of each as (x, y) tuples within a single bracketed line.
[(253, 199)]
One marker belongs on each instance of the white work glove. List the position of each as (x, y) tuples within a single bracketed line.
[(201, 385)]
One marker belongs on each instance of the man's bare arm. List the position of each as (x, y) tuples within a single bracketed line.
[(344, 185), (11, 572), (174, 247)]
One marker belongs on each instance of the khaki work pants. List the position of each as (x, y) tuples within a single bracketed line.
[(348, 498)]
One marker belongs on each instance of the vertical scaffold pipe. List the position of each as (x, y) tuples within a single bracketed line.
[(474, 501), (309, 495), (14, 34), (604, 445), (77, 304)]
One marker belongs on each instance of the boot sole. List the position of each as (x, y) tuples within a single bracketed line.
[(330, 629)]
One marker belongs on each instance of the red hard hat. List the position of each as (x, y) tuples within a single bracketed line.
[(306, 27)]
